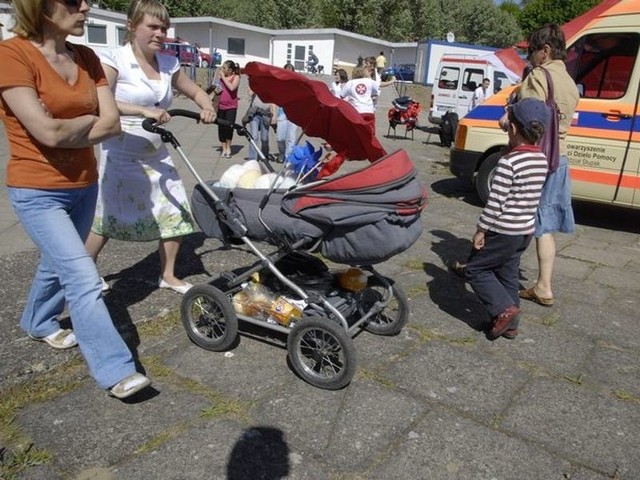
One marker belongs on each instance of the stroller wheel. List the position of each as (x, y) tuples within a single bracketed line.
[(209, 318), (322, 353), (394, 316)]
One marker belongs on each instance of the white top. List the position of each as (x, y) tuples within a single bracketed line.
[(336, 88), (359, 92), (131, 78), (479, 96), (141, 195)]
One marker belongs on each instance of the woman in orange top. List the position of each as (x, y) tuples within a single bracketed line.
[(56, 105)]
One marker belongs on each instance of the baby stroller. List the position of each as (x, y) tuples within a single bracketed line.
[(349, 219), (403, 112)]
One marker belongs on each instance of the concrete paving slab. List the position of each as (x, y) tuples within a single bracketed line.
[(447, 446), (103, 431), (461, 376), (591, 428)]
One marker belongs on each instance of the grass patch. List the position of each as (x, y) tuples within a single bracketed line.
[(223, 406), (374, 377), (12, 464), (578, 380), (159, 326), (55, 383), (19, 452), (414, 264), (156, 367), (626, 396), (417, 290), (551, 320), (424, 334), (160, 439), (468, 340)]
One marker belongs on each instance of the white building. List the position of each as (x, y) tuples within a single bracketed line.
[(243, 43)]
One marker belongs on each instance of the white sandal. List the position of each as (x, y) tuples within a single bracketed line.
[(129, 385), (181, 289), (60, 340)]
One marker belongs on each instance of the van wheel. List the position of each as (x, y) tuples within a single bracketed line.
[(485, 176)]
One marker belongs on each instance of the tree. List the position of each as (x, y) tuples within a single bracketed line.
[(538, 12)]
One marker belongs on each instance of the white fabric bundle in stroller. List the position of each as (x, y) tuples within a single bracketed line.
[(362, 217)]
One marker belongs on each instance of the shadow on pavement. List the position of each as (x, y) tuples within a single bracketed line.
[(261, 452), (606, 216), (456, 188), (446, 289), (135, 283)]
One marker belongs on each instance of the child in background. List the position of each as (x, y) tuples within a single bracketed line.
[(507, 222)]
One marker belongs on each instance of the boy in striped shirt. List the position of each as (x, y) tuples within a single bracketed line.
[(507, 222)]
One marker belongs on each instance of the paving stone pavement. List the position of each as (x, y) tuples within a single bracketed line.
[(437, 401)]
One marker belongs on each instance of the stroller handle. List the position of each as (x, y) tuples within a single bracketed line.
[(149, 124)]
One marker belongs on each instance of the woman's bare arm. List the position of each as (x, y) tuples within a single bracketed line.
[(79, 132)]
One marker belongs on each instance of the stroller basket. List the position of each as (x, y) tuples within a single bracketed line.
[(363, 217)]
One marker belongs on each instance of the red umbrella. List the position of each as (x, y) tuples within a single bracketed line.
[(310, 105)]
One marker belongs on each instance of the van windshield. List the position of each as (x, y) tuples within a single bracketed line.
[(601, 64)]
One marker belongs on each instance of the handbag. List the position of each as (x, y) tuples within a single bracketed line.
[(550, 143)]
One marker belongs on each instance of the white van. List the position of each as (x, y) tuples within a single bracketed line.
[(458, 76)]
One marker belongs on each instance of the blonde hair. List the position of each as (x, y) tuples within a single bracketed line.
[(137, 11), (357, 72), (29, 18)]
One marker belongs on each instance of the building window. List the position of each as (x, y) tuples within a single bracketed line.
[(235, 46), (97, 34), (122, 32)]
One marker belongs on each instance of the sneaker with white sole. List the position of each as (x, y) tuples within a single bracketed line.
[(105, 286)]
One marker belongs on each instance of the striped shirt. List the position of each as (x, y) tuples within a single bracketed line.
[(515, 192)]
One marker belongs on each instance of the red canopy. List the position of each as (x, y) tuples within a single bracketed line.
[(311, 105)]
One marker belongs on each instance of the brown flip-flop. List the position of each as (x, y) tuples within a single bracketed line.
[(530, 294)]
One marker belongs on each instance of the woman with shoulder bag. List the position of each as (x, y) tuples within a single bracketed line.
[(547, 51)]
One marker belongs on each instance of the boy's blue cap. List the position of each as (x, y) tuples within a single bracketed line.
[(530, 110)]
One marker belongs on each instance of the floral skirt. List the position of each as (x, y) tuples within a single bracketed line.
[(141, 199)]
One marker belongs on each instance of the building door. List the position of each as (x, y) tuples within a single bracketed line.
[(299, 57)]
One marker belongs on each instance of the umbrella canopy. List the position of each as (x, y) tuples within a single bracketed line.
[(311, 105)]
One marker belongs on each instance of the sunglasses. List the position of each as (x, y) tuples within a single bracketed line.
[(76, 3)]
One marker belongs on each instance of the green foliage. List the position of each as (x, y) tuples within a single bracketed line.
[(538, 12), (511, 8)]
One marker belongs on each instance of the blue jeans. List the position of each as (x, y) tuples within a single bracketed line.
[(58, 222), (286, 135), (259, 130)]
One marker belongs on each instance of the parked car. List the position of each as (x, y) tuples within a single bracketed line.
[(187, 53), (190, 54), (404, 72)]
